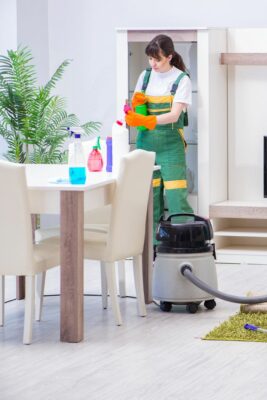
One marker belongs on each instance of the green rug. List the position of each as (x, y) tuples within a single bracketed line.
[(233, 329)]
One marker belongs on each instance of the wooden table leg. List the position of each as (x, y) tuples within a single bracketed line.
[(71, 262), (148, 251), (20, 287), (20, 280)]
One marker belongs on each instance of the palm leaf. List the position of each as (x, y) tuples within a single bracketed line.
[(91, 127), (56, 76)]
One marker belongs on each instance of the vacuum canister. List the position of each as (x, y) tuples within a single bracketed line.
[(179, 244)]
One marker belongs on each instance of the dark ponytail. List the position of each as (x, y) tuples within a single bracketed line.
[(164, 44), (178, 62)]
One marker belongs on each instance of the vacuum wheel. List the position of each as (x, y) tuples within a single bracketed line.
[(210, 304), (192, 308), (165, 306)]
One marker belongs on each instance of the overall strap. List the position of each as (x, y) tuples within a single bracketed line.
[(184, 115), (146, 80), (176, 83)]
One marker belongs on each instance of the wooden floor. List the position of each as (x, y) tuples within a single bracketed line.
[(161, 357)]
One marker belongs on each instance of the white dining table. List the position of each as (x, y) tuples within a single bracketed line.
[(50, 193)]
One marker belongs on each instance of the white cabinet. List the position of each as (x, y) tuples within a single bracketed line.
[(240, 219), (207, 131)]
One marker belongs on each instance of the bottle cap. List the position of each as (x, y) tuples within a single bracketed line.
[(119, 122)]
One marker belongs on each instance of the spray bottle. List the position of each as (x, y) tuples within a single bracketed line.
[(77, 171), (95, 160)]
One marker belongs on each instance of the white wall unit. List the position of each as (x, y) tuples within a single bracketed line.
[(247, 99), (201, 50), (240, 220)]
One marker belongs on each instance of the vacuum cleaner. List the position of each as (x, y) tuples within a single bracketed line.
[(184, 269)]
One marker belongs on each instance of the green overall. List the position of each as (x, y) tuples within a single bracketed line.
[(167, 141)]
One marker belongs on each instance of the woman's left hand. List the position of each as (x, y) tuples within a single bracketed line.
[(138, 99)]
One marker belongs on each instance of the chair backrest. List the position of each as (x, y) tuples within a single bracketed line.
[(129, 205), (16, 248)]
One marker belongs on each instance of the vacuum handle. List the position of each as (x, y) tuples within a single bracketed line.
[(196, 217)]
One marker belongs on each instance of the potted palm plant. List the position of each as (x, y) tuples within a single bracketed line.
[(33, 121)]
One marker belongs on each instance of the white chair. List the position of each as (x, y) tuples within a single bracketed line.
[(18, 255), (117, 231)]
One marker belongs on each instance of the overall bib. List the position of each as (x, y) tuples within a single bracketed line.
[(167, 141)]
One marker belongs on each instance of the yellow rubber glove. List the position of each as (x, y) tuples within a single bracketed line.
[(138, 99), (134, 119)]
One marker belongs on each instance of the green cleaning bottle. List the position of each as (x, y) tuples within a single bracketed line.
[(141, 109)]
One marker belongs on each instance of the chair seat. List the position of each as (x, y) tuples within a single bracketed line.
[(46, 254), (95, 220), (101, 228), (43, 234), (95, 236), (99, 215)]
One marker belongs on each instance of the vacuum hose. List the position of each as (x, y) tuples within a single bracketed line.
[(186, 271)]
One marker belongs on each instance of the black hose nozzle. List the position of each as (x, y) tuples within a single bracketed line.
[(185, 267)]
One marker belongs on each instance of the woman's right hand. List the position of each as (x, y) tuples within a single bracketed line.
[(138, 99), (134, 119)]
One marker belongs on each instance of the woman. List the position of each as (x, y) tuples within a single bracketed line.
[(166, 89)]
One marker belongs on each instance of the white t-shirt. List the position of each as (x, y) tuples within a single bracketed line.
[(160, 84)]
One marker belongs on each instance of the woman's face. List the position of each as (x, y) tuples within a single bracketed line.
[(160, 65)]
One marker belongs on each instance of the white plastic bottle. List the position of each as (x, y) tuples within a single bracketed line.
[(120, 143), (77, 169)]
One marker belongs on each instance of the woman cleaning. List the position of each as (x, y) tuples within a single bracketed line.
[(166, 90)]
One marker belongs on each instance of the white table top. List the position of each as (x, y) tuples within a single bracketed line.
[(39, 177)]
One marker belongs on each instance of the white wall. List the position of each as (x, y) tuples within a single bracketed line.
[(8, 37), (84, 30), (32, 23)]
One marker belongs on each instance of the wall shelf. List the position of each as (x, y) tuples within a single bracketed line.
[(244, 58), (249, 250), (242, 255), (240, 231), (239, 209)]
